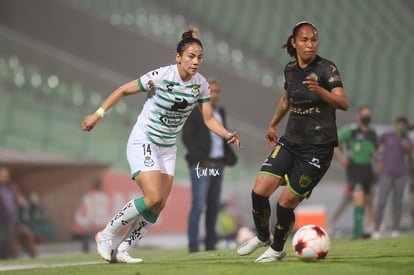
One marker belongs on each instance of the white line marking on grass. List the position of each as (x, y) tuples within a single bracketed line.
[(30, 266)]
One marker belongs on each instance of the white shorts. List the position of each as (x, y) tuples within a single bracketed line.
[(150, 157)]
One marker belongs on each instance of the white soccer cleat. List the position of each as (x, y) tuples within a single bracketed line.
[(104, 245), (271, 255), (124, 257), (251, 245)]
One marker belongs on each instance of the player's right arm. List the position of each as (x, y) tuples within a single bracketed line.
[(281, 110), (127, 89)]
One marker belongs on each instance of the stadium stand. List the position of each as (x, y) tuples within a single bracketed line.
[(364, 39), (42, 111)]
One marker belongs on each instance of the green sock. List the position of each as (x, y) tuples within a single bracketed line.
[(358, 222), (144, 211)]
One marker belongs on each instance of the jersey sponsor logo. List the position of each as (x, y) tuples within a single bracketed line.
[(305, 111), (181, 103), (151, 86), (334, 78), (168, 121)]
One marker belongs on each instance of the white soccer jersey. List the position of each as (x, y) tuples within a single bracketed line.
[(169, 103)]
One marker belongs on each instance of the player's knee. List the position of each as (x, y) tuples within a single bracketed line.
[(289, 200), (155, 204)]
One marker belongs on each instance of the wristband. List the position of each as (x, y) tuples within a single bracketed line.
[(100, 112)]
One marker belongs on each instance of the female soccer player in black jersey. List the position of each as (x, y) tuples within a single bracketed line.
[(312, 93)]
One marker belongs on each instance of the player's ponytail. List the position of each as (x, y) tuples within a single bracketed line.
[(289, 48), (187, 38)]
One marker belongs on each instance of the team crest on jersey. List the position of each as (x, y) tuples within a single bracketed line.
[(148, 161), (313, 76), (195, 92), (304, 181)]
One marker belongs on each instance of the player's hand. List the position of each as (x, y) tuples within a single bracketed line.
[(233, 139), (312, 84), (90, 121), (271, 136), (344, 161)]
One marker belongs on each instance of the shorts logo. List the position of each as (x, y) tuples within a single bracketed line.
[(148, 161), (315, 162), (304, 181)]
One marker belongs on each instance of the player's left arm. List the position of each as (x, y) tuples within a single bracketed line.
[(214, 125), (336, 97), (331, 91)]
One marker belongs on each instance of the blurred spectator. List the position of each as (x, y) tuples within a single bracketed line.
[(38, 224), (412, 189), (361, 143), (396, 151), (411, 176), (207, 155), (84, 231), (23, 237), (8, 213), (345, 202)]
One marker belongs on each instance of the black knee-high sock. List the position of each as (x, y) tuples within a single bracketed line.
[(261, 215), (285, 221)]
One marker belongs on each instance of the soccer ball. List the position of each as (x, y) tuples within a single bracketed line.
[(311, 243)]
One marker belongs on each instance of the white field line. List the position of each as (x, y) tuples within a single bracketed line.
[(31, 266)]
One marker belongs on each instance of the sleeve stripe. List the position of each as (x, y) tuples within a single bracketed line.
[(142, 88)]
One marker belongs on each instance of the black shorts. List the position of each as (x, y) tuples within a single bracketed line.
[(360, 176), (302, 165)]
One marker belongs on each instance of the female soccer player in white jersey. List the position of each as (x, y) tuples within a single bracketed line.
[(174, 91)]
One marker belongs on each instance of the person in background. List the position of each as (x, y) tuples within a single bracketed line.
[(8, 213), (344, 203), (412, 190), (23, 237), (411, 178), (313, 91), (361, 143), (207, 154), (394, 163), (85, 233), (39, 224)]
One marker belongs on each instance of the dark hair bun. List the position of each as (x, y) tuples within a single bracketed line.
[(190, 33)]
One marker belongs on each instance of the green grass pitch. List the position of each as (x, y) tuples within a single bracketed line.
[(385, 256)]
